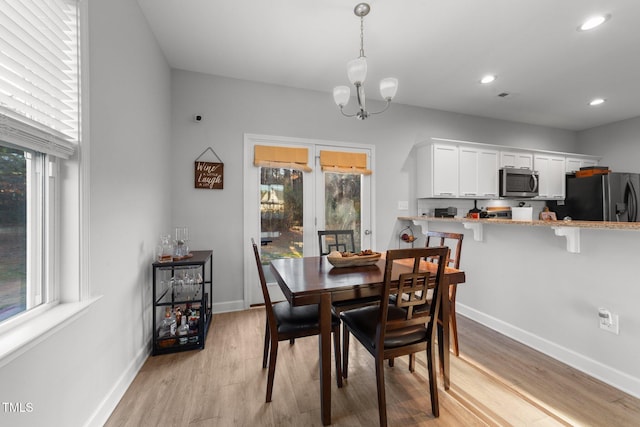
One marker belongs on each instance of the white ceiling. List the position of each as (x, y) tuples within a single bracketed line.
[(438, 49)]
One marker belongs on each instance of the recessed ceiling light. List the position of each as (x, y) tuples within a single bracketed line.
[(596, 101), (487, 79), (593, 22)]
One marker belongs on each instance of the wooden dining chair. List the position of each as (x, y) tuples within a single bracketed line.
[(336, 240), (452, 240), (392, 329), (440, 238), (285, 322), (342, 241)]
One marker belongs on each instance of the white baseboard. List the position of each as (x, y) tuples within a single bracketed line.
[(607, 374), (111, 400), (225, 307)]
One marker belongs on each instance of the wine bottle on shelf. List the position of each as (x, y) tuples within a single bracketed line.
[(183, 331), (168, 326), (194, 322), (178, 316)]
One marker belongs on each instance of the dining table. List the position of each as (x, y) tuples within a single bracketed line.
[(314, 280)]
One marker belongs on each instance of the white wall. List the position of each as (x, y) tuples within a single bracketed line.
[(233, 107), (77, 375), (618, 144)]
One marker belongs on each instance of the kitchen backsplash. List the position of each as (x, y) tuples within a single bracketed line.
[(427, 206)]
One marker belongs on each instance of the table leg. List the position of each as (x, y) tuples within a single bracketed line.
[(325, 358)]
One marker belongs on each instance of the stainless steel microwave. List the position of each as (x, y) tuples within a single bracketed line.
[(516, 182)]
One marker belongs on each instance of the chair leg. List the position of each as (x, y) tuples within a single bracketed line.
[(441, 346), (266, 346), (345, 351), (433, 384), (273, 357), (337, 353), (292, 341), (452, 319), (412, 362), (454, 330), (382, 401), (391, 362)]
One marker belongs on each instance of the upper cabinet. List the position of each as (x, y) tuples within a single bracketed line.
[(478, 171), (574, 164), (516, 159), (551, 181), (437, 170), (458, 169)]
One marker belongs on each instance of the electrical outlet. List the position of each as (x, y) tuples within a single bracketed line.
[(609, 322), (403, 205)]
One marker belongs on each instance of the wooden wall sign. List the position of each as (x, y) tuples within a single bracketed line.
[(209, 175)]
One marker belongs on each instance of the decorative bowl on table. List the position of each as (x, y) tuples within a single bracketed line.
[(348, 259)]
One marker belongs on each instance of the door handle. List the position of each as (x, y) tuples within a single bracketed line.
[(631, 199), (367, 232)]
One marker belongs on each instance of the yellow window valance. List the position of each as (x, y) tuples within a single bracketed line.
[(344, 162), (272, 156)]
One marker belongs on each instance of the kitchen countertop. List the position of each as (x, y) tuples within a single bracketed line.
[(577, 224), (567, 229)]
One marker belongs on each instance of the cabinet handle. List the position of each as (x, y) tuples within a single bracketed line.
[(470, 194), (445, 194)]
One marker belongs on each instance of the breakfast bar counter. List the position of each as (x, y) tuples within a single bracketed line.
[(568, 229)]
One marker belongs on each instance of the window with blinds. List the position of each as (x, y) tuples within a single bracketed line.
[(39, 77), (39, 131)]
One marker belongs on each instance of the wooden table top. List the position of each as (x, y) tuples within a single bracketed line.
[(303, 280)]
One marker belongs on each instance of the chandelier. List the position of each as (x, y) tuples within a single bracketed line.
[(357, 73)]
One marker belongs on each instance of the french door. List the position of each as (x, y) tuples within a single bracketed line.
[(285, 208), (343, 200)]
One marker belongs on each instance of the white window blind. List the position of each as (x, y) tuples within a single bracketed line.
[(39, 78)]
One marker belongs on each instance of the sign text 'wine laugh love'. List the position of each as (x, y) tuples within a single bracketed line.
[(209, 175)]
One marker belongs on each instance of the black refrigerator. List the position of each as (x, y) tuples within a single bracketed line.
[(606, 197)]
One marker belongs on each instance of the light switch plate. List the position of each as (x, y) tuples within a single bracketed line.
[(403, 205)]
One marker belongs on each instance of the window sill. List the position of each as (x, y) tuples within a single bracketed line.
[(21, 338)]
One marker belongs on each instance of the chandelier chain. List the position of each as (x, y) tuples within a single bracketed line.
[(362, 37)]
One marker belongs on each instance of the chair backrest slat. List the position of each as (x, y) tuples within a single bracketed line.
[(406, 276), (453, 240), (336, 240)]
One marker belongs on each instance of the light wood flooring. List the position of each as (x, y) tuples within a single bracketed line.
[(495, 382)]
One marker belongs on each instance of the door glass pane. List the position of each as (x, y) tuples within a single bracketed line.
[(343, 203), (281, 206), (13, 232)]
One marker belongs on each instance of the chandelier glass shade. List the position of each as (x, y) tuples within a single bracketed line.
[(357, 74), (357, 70)]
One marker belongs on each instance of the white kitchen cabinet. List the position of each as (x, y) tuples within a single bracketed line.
[(573, 164), (516, 159), (437, 170), (448, 168), (478, 173), (551, 170)]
